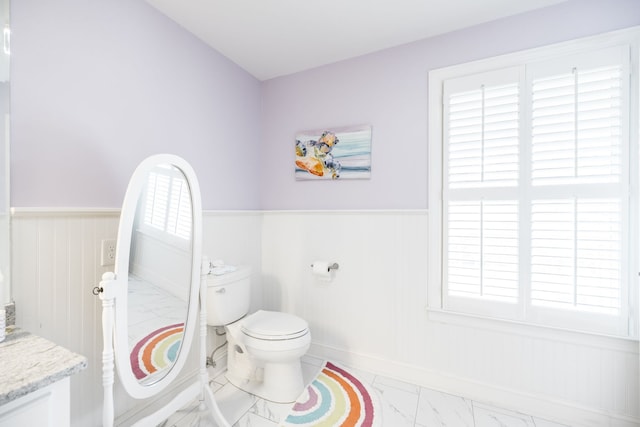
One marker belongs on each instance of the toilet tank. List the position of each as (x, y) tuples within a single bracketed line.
[(228, 296)]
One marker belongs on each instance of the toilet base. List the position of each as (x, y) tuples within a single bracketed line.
[(275, 382)]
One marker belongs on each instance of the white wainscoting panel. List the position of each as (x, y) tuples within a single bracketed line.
[(373, 314), (56, 264)]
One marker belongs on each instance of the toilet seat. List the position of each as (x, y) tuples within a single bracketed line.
[(274, 326)]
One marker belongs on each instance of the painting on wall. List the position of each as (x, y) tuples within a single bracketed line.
[(334, 153)]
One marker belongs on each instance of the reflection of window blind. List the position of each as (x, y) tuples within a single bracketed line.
[(168, 204), (535, 188)]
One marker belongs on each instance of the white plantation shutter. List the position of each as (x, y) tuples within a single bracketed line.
[(576, 254), (483, 131), (579, 182), (576, 126), (483, 249), (157, 202), (482, 173), (536, 192), (179, 218), (168, 203)]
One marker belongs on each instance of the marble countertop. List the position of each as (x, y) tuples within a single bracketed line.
[(29, 362)]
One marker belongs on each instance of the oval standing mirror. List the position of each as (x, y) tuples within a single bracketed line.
[(150, 304), (158, 262)]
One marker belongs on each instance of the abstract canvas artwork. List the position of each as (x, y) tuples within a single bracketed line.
[(334, 153)]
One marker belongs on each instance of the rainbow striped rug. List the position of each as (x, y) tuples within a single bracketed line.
[(335, 398), (157, 350)]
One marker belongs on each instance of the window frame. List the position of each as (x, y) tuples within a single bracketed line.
[(435, 296)]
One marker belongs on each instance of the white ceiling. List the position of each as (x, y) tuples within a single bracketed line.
[(271, 38)]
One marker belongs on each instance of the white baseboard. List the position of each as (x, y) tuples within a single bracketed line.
[(536, 405)]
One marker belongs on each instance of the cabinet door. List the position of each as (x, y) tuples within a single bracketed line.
[(47, 407)]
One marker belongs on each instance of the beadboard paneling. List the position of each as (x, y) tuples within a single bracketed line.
[(373, 313), (56, 264)]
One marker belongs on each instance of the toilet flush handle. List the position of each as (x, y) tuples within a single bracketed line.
[(221, 291)]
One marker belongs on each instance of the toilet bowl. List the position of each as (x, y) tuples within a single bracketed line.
[(263, 355), (264, 348)]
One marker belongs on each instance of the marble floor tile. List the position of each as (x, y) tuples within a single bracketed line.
[(312, 361), (490, 416), (539, 422), (309, 372), (437, 409), (233, 402), (252, 420), (181, 417), (398, 405), (401, 404), (271, 411), (397, 384)]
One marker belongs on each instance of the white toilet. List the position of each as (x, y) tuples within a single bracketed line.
[(264, 348)]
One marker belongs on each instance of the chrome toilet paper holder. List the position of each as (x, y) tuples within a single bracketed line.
[(333, 266)]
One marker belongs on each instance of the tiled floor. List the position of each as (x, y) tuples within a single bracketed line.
[(403, 404), (150, 308)]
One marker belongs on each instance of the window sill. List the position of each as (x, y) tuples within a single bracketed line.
[(619, 343)]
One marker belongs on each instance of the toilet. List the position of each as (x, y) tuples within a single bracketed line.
[(263, 348)]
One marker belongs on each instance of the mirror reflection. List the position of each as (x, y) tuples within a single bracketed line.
[(161, 258)]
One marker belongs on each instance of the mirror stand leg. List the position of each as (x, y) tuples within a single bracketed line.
[(107, 353), (204, 376)]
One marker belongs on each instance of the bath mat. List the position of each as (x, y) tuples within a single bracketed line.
[(157, 350), (335, 397)]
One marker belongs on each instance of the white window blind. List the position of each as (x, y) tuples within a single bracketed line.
[(483, 249), (535, 191), (168, 203), (483, 131), (576, 126), (576, 254)]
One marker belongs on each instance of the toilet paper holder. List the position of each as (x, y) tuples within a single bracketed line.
[(333, 266)]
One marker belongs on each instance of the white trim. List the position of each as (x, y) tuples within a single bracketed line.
[(45, 211), (529, 330), (55, 211), (219, 212), (349, 212), (537, 405), (436, 79)]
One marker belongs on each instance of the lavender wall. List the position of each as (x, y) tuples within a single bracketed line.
[(388, 90), (99, 85)]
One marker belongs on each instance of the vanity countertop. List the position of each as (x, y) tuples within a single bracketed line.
[(29, 362)]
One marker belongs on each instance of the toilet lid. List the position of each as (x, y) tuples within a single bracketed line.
[(273, 325)]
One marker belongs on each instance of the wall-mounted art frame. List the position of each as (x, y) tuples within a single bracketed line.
[(334, 153)]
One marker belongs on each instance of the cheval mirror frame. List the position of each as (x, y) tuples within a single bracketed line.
[(113, 291)]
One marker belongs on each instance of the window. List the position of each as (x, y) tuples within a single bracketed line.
[(533, 186), (167, 202)]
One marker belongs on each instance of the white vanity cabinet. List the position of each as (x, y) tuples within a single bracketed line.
[(35, 381), (45, 407)]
